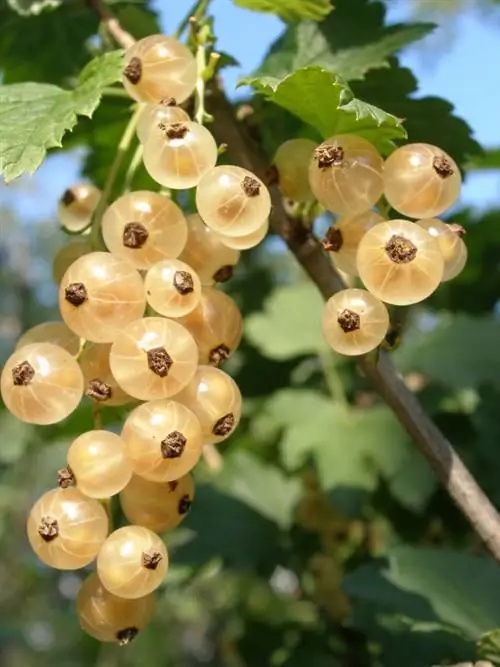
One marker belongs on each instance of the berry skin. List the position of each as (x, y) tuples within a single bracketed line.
[(163, 440), (166, 112), (100, 384), (109, 618), (421, 181), (178, 156), (132, 562), (153, 358), (41, 383), (157, 506), (99, 464), (292, 163), (143, 228), (354, 322), (232, 201), (215, 399), (56, 333), (159, 67), (216, 325), (99, 295), (207, 252), (68, 254), (450, 243), (66, 529), (342, 239), (172, 288), (345, 174), (77, 206), (249, 240), (399, 262)]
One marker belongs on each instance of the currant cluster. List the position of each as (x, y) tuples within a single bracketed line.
[(400, 262), (164, 364)]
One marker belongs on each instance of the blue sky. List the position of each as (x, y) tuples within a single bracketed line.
[(453, 68)]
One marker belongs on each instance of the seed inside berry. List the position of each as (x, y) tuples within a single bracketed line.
[(224, 425), (442, 166), (329, 156), (125, 636), (349, 321), (333, 240), (159, 361), (48, 528), (22, 374), (152, 560), (183, 282), (135, 235), (251, 186), (76, 294), (219, 354), (133, 71), (223, 274), (401, 250), (184, 505), (172, 447)]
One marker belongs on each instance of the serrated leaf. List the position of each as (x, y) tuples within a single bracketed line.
[(34, 117), (457, 589), (351, 41), (290, 10), (460, 352), (326, 102), (488, 647), (262, 487), (286, 328)]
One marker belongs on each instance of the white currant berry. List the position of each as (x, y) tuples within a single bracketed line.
[(77, 206), (100, 384), (172, 288), (249, 240), (164, 113), (450, 243), (68, 254), (292, 164), (342, 239), (56, 333)]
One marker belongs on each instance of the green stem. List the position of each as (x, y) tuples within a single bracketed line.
[(135, 163), (197, 10), (201, 64), (115, 92), (123, 146)]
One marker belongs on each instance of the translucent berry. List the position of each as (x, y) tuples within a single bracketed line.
[(56, 333), (177, 156), (153, 358), (342, 239), (132, 562), (399, 262), (66, 529), (68, 254), (109, 618), (421, 181), (41, 383), (159, 67), (354, 322), (99, 464), (99, 295), (100, 384), (345, 174), (163, 440), (207, 253), (172, 288), (450, 243), (215, 399), (249, 240), (216, 325), (144, 228), (77, 206), (157, 506), (164, 113), (232, 201), (292, 164)]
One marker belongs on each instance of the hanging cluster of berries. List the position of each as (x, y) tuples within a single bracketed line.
[(400, 262), (166, 362)]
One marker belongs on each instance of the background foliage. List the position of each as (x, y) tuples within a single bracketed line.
[(324, 537)]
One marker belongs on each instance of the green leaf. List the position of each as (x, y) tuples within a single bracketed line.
[(290, 10), (262, 487), (488, 647), (290, 323), (489, 160), (351, 41), (34, 117), (27, 7), (459, 590), (326, 102), (460, 352)]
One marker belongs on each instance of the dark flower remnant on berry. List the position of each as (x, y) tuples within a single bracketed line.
[(184, 504), (76, 294), (65, 478), (159, 361), (176, 131), (250, 186), (333, 240), (172, 447), (183, 282), (135, 235), (442, 166), (219, 354), (349, 321), (224, 425), (223, 274), (48, 528), (68, 197), (401, 250), (133, 71), (22, 374), (126, 635), (329, 155), (99, 391), (151, 561)]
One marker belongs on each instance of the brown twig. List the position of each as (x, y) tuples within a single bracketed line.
[(439, 452)]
